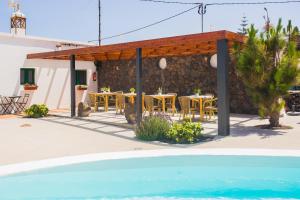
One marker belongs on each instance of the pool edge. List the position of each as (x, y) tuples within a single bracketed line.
[(69, 160)]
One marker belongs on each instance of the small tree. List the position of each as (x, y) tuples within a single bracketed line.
[(244, 24), (267, 64)]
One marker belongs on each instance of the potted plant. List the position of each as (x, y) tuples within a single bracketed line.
[(159, 91), (105, 89), (82, 87), (197, 91), (132, 90), (28, 86)]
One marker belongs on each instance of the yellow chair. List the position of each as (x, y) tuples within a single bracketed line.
[(149, 105), (112, 98), (169, 103), (186, 109), (210, 108), (120, 103), (95, 101), (92, 97)]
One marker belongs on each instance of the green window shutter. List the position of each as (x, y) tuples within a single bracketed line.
[(30, 76), (27, 76), (22, 76), (80, 77)]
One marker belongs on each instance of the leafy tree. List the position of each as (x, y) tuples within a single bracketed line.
[(267, 64)]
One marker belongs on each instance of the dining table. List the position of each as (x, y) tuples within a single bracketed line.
[(163, 97), (105, 96), (200, 99)]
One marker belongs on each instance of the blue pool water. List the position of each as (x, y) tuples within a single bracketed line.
[(174, 177)]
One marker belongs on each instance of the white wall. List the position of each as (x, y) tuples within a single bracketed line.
[(12, 58), (52, 77), (53, 80)]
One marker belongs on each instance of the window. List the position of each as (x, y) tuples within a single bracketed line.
[(27, 76), (80, 77)]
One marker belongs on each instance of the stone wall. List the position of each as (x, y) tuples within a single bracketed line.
[(182, 76)]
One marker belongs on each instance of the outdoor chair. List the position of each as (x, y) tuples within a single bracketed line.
[(1, 105), (92, 97), (113, 98), (96, 101), (210, 108), (4, 105), (169, 103), (186, 109), (22, 103), (120, 103), (149, 105)]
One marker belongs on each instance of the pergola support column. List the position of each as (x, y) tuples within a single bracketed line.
[(139, 89), (98, 65), (223, 88), (72, 85)]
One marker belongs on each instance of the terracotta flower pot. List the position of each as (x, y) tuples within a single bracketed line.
[(30, 87), (81, 88)]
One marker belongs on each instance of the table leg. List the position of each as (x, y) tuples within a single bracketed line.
[(96, 103), (106, 103), (16, 105), (201, 109), (132, 99), (173, 105), (164, 105)]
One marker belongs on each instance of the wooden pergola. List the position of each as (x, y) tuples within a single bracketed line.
[(220, 42)]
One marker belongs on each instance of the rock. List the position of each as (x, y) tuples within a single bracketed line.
[(130, 113), (83, 110)]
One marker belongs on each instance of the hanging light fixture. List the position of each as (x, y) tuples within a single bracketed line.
[(162, 63), (214, 61)]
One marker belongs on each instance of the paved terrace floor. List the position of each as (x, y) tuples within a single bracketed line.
[(25, 139)]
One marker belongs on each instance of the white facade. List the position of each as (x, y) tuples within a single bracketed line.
[(51, 76)]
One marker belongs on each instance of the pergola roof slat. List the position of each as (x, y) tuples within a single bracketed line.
[(203, 43)]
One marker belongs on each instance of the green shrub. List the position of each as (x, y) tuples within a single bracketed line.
[(37, 111), (153, 128), (186, 132)]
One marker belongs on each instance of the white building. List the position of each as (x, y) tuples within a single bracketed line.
[(51, 76)]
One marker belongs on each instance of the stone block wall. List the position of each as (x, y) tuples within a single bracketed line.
[(182, 75)]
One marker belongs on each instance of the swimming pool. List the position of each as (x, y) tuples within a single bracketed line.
[(166, 177)]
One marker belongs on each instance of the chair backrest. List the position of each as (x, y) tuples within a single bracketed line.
[(118, 92), (185, 104), (25, 98), (120, 99), (210, 102), (1, 103), (92, 99), (3, 100), (148, 102)]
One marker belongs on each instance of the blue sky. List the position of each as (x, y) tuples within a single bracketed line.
[(78, 19)]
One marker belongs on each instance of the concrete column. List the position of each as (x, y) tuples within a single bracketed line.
[(223, 88), (98, 65), (139, 89)]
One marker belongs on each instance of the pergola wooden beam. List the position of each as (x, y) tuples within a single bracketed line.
[(172, 46)]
